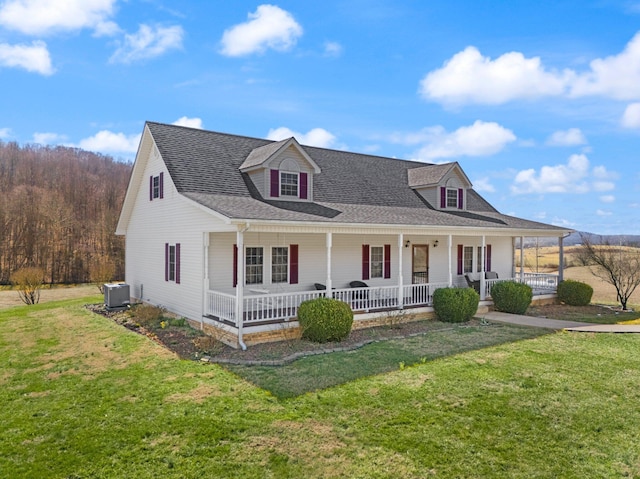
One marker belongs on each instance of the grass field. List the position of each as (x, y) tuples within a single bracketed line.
[(82, 397)]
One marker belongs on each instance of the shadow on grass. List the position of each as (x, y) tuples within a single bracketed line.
[(322, 371)]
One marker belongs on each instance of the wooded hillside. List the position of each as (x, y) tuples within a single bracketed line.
[(59, 208)]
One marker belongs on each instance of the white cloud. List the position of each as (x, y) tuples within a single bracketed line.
[(106, 141), (190, 122), (268, 27), (33, 58), (41, 17), (316, 137), (600, 212), (607, 198), (631, 116), (480, 139), (483, 185), (570, 137), (332, 49), (48, 138), (574, 177), (148, 42), (5, 133), (469, 77), (616, 76)]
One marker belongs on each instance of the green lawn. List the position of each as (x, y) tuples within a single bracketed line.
[(82, 397)]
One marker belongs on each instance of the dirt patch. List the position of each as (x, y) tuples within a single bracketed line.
[(576, 313)]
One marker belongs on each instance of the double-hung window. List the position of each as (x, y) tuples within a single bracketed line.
[(172, 262), (377, 261), (288, 184), (254, 261), (452, 197), (467, 259), (280, 264)]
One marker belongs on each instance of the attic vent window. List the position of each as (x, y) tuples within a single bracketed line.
[(288, 184)]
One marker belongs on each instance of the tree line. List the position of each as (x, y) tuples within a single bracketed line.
[(59, 208)]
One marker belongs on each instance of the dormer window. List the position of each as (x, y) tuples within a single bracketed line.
[(452, 197), (289, 184)]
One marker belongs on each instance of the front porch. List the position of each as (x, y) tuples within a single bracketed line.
[(273, 308)]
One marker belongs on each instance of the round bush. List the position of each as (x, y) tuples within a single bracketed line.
[(455, 305), (511, 297), (574, 293), (325, 319)]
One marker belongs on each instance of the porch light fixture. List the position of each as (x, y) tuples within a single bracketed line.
[(407, 243), (435, 244)]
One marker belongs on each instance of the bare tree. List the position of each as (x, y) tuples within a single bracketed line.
[(102, 270), (28, 281), (618, 265)]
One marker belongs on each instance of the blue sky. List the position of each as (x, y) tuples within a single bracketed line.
[(538, 101)]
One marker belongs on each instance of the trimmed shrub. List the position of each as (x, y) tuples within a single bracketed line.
[(455, 305), (574, 293), (511, 297), (147, 315), (325, 319)]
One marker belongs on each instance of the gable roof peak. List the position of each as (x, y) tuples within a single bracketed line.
[(261, 155), (432, 175)]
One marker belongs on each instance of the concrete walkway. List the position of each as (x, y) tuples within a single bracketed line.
[(560, 324)]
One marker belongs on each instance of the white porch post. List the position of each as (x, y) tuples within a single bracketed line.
[(522, 258), (513, 256), (240, 285), (450, 259), (400, 280), (205, 282), (329, 245), (483, 293), (561, 259)]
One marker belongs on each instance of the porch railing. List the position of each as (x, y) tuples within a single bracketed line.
[(284, 306), (275, 306), (541, 283), (420, 294)]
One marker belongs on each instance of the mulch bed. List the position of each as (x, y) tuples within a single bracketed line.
[(182, 340), (564, 311)]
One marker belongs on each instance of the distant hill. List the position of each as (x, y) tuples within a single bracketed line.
[(58, 210), (575, 239)]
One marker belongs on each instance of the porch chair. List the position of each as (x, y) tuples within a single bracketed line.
[(472, 284), (490, 275)]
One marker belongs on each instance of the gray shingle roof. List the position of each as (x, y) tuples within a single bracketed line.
[(352, 188), (262, 153)]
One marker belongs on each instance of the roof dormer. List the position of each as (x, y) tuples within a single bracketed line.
[(282, 170), (443, 186)]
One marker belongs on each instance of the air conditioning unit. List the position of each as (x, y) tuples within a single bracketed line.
[(116, 296)]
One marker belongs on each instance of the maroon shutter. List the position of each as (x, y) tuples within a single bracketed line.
[(365, 261), (487, 258), (275, 183), (387, 261), (166, 261), (460, 198), (303, 186), (443, 197), (293, 264), (161, 181), (151, 188), (177, 260), (235, 265), (460, 261)]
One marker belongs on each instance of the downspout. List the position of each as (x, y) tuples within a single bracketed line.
[(240, 285)]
